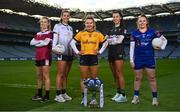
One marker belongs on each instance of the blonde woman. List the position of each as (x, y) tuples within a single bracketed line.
[(89, 39), (142, 57), (42, 41)]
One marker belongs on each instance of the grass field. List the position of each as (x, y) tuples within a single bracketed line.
[(18, 85)]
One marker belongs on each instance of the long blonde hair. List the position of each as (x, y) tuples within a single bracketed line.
[(62, 12)]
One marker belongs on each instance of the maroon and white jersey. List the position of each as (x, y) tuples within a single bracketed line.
[(44, 52)]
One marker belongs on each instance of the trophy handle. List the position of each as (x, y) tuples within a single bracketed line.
[(85, 96), (101, 96)]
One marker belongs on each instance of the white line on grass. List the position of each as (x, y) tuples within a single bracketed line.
[(18, 85)]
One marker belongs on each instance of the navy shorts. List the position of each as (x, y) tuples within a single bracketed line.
[(64, 58), (88, 60), (144, 64), (43, 62)]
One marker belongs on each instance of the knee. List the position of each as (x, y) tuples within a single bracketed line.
[(137, 79), (46, 78), (152, 79), (119, 74), (40, 77), (83, 79), (117, 71)]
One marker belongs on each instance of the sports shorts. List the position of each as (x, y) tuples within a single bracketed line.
[(88, 60), (64, 58), (45, 62)]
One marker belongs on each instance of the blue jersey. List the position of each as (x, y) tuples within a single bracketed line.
[(143, 44)]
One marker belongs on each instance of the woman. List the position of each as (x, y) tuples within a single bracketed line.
[(115, 38), (89, 40), (42, 42), (142, 57), (63, 35)]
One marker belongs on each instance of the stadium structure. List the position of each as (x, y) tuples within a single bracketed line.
[(17, 28)]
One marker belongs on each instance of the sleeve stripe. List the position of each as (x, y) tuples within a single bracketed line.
[(76, 39)]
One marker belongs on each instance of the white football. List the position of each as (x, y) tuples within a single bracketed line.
[(157, 42), (60, 48)]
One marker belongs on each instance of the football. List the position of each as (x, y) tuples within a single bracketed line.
[(91, 85), (59, 48), (99, 82), (157, 43)]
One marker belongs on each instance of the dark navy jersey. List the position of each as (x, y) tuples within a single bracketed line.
[(114, 32), (143, 43)]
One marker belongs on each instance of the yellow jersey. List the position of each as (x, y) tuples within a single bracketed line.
[(89, 41)]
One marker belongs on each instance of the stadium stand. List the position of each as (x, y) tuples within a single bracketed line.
[(17, 51), (16, 22), (16, 31), (175, 53), (164, 53)]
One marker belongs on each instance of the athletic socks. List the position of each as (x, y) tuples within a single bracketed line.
[(63, 91), (47, 94), (39, 92), (121, 91), (154, 94), (58, 92), (136, 93)]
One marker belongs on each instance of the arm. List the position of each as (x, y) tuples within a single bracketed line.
[(55, 39), (43, 42), (164, 42), (116, 40), (108, 40), (119, 39), (55, 35), (105, 44), (131, 53), (73, 45), (34, 42)]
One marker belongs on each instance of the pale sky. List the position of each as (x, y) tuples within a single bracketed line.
[(92, 5)]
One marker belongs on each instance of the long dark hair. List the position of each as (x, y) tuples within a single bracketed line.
[(120, 14)]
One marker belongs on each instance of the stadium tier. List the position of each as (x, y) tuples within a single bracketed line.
[(19, 30), (16, 22), (175, 53)]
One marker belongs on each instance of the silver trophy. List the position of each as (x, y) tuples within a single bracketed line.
[(93, 86)]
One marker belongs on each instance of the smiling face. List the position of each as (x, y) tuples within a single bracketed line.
[(116, 18), (65, 16), (142, 22), (89, 24), (44, 24)]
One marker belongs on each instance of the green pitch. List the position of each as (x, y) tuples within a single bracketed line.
[(18, 85)]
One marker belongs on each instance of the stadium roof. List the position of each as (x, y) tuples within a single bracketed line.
[(30, 7), (35, 8)]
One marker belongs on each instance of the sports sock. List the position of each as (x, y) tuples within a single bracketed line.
[(63, 91), (136, 93), (40, 92), (58, 92), (122, 91), (154, 94), (47, 94), (119, 90)]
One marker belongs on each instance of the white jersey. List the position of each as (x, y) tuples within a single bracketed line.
[(63, 35)]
